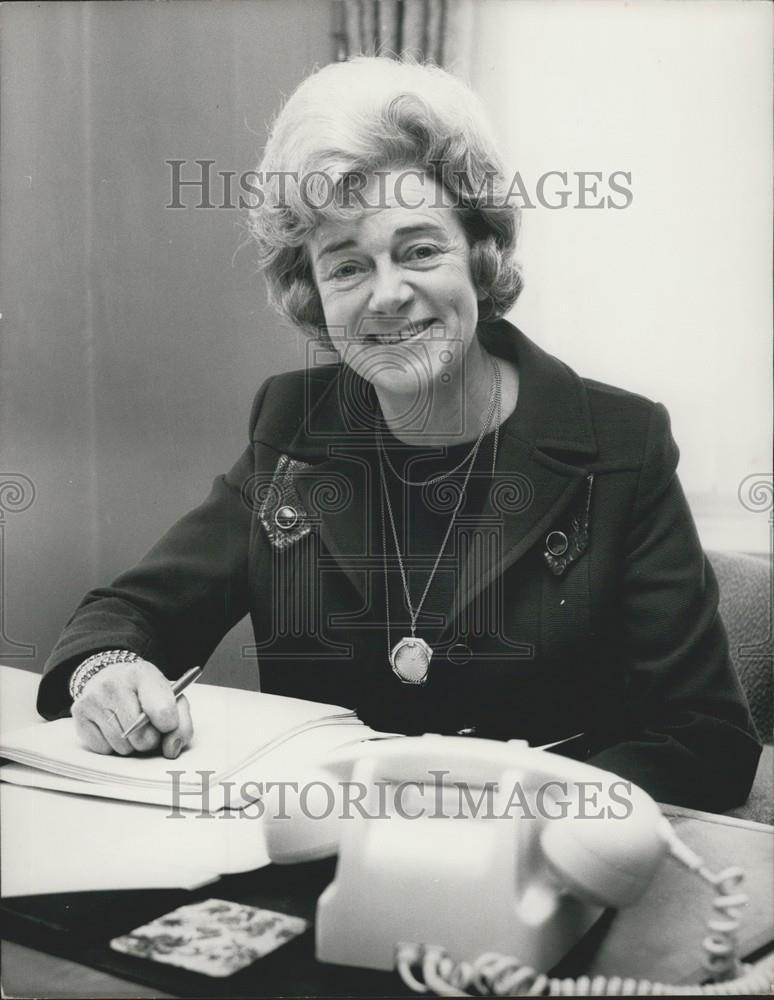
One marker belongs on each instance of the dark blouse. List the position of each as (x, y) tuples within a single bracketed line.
[(422, 515)]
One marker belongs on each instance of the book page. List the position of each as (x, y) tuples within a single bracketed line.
[(230, 728), (286, 761)]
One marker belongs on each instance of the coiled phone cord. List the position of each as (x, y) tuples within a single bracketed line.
[(497, 975), (493, 974)]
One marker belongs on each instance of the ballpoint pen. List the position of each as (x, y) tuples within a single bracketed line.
[(177, 689)]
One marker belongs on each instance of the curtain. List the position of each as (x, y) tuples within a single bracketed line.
[(437, 31)]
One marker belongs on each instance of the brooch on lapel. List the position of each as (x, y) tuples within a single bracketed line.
[(563, 547), (281, 511)]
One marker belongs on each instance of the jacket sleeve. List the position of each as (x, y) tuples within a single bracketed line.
[(175, 606), (689, 736)]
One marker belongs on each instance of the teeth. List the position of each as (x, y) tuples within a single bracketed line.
[(404, 334)]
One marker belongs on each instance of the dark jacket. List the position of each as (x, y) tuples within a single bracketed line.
[(615, 634)]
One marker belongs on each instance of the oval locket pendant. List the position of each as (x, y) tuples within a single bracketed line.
[(410, 660)]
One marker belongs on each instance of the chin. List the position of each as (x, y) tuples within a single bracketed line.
[(393, 369), (403, 383)]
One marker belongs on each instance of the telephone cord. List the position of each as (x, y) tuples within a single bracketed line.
[(493, 974), (498, 975)]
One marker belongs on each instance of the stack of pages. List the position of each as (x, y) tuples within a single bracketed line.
[(241, 739)]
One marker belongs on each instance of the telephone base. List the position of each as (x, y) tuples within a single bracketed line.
[(358, 936), (433, 854), (455, 887)]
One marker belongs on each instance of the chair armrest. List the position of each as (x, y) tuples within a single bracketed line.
[(759, 806)]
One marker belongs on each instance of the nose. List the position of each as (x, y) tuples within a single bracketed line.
[(390, 291)]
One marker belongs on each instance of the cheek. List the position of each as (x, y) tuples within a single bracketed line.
[(462, 299), (342, 308), (459, 287)]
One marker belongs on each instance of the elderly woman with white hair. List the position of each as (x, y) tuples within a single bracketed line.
[(441, 526)]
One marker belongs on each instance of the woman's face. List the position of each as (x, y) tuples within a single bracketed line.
[(395, 284)]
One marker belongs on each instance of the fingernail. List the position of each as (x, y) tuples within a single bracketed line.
[(177, 746)]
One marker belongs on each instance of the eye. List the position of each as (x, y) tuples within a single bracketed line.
[(422, 252), (346, 271)]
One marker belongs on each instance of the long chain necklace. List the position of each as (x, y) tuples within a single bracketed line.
[(410, 656), (494, 404)]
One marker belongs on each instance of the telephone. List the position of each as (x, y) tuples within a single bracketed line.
[(452, 847)]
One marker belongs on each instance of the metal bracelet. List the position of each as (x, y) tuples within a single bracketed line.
[(91, 666)]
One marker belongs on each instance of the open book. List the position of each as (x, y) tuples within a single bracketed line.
[(241, 738)]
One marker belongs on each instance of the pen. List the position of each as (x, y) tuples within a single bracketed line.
[(177, 689)]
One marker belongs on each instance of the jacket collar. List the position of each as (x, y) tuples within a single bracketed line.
[(538, 464), (553, 409)]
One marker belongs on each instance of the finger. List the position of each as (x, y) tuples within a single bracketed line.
[(144, 739), (89, 734), (111, 728), (87, 712), (125, 703), (175, 742), (101, 703), (158, 700)]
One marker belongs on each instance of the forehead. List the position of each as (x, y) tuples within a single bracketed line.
[(389, 205)]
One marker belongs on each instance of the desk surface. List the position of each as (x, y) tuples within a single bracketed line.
[(658, 938), (25, 971), (30, 973)]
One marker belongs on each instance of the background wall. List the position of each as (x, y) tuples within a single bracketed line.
[(133, 337), (670, 296)]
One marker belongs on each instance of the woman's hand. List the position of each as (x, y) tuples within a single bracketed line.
[(112, 700)]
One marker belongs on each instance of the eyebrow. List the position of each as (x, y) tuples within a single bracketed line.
[(349, 244), (330, 248)]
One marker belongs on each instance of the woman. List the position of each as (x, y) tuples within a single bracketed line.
[(447, 529)]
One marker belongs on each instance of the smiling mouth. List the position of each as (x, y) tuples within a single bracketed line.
[(407, 332)]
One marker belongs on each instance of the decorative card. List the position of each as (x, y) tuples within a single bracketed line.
[(214, 937)]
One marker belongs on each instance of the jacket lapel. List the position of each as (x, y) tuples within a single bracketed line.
[(338, 490), (533, 485), (529, 493), (539, 468)]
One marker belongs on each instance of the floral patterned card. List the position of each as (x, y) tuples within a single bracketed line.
[(214, 937)]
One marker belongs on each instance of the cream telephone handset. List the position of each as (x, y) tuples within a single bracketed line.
[(451, 848)]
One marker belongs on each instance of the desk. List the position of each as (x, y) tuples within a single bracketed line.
[(30, 973), (646, 940)]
